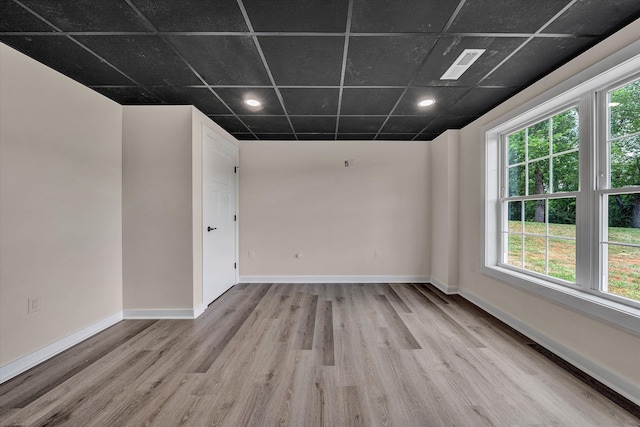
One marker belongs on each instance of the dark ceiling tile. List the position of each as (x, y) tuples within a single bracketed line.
[(223, 60), (443, 123), (480, 100), (312, 61), (313, 124), (311, 101), (595, 17), (89, 15), (67, 57), (276, 136), (412, 16), (146, 59), (16, 18), (447, 50), (316, 136), (230, 123), (525, 67), (395, 136), (406, 124), (361, 124), (445, 98), (296, 15), (129, 95), (385, 60), (356, 136), (424, 136), (234, 98), (267, 124), (201, 98), (193, 15), (507, 16), (357, 101), (244, 136)]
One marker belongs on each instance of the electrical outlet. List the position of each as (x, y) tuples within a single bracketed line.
[(376, 254), (34, 305), (252, 254)]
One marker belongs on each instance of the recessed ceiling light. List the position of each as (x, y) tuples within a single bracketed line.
[(426, 102), (252, 102), (462, 63)]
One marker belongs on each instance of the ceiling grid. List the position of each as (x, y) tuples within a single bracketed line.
[(322, 69)]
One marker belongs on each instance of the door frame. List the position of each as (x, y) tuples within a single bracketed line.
[(236, 149)]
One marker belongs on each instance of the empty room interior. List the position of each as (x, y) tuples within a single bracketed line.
[(320, 212)]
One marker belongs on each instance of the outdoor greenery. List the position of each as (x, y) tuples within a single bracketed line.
[(624, 261), (543, 159)]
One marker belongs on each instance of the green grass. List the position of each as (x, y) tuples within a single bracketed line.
[(624, 261)]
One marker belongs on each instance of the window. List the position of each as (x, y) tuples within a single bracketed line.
[(619, 191), (562, 192), (539, 201)]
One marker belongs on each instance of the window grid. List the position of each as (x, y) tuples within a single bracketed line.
[(548, 192)]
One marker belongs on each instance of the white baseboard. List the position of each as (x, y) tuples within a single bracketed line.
[(334, 279), (612, 380), (165, 313), (27, 362), (449, 290), (198, 310)]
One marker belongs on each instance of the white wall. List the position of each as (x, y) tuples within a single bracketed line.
[(162, 208), (603, 350), (60, 206), (444, 181), (157, 203), (297, 197)]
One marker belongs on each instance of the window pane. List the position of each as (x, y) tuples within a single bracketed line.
[(516, 147), (565, 130), (565, 172), (625, 161), (624, 271), (514, 255), (562, 259), (535, 250), (516, 180), (534, 217), (515, 217), (624, 110), (562, 217), (624, 213), (539, 177), (539, 140)]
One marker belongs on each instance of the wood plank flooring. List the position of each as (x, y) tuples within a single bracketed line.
[(311, 355)]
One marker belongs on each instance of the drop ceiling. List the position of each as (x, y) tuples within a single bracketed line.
[(324, 69)]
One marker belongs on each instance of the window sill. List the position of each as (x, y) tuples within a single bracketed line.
[(614, 313)]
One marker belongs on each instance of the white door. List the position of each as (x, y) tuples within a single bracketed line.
[(219, 159)]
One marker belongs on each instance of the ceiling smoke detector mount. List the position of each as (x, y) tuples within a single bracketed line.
[(462, 63)]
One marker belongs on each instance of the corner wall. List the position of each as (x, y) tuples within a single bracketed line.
[(370, 220), (444, 180), (157, 208), (60, 210)]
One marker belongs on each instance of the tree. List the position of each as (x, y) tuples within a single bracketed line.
[(624, 106)]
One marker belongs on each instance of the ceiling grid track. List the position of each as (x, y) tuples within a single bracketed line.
[(349, 69), (183, 59), (345, 52), (266, 66)]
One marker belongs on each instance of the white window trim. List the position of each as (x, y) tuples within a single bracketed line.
[(618, 66)]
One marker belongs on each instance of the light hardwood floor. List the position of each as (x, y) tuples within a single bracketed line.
[(310, 355)]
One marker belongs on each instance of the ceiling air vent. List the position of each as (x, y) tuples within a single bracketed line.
[(460, 65)]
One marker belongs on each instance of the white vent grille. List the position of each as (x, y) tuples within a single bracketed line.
[(462, 63)]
